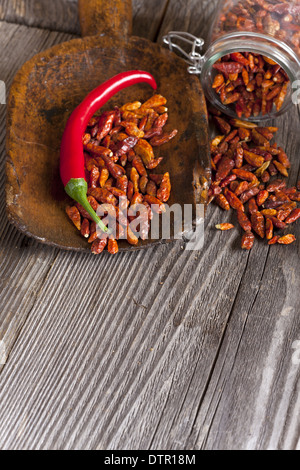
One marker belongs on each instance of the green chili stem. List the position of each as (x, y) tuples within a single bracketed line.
[(77, 190)]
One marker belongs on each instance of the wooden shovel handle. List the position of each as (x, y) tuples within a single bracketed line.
[(109, 17)]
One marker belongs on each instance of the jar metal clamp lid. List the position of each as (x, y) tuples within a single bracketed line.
[(194, 57)]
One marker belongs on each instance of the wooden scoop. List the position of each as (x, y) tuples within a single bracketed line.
[(48, 88)]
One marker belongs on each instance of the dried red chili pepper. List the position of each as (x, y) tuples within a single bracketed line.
[(269, 212), (130, 190), (274, 240), (137, 198), (265, 177), (218, 81), (155, 204), (85, 228), (224, 227), (228, 67), (161, 121), (97, 150), (245, 175), (163, 138), (94, 176), (253, 83), (155, 131), (258, 223), (253, 159), (105, 124), (261, 197), (243, 221), (154, 102), (242, 184), (283, 158), (233, 200), (252, 206), (227, 180), (269, 229), (125, 145), (241, 188), (238, 57), (117, 192), (145, 151), (294, 215), (163, 193), (154, 163), (139, 166), (74, 215), (134, 177), (112, 246), (247, 241), (286, 239), (94, 204), (143, 184), (224, 126), (222, 202), (104, 175), (115, 170), (276, 222), (232, 137), (276, 185), (103, 195), (131, 238), (224, 167), (151, 188), (281, 168), (98, 245)]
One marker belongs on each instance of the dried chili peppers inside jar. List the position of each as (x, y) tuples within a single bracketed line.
[(253, 57)]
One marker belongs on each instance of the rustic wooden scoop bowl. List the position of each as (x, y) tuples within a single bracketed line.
[(48, 88)]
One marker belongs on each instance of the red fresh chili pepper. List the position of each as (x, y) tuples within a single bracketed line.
[(71, 154)]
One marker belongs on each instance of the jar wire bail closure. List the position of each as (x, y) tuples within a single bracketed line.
[(194, 57)]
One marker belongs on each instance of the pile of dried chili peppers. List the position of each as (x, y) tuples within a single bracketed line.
[(250, 83), (276, 18), (247, 175), (119, 159)]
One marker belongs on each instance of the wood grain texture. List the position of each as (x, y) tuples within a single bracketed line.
[(62, 15), (58, 15), (148, 17), (105, 18), (193, 16), (24, 264), (156, 350)]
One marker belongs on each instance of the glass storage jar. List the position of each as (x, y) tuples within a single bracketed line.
[(267, 28)]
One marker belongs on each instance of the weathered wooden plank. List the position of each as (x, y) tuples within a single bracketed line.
[(228, 420), (58, 15), (161, 349), (193, 16), (23, 263), (147, 17), (127, 332), (142, 360)]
